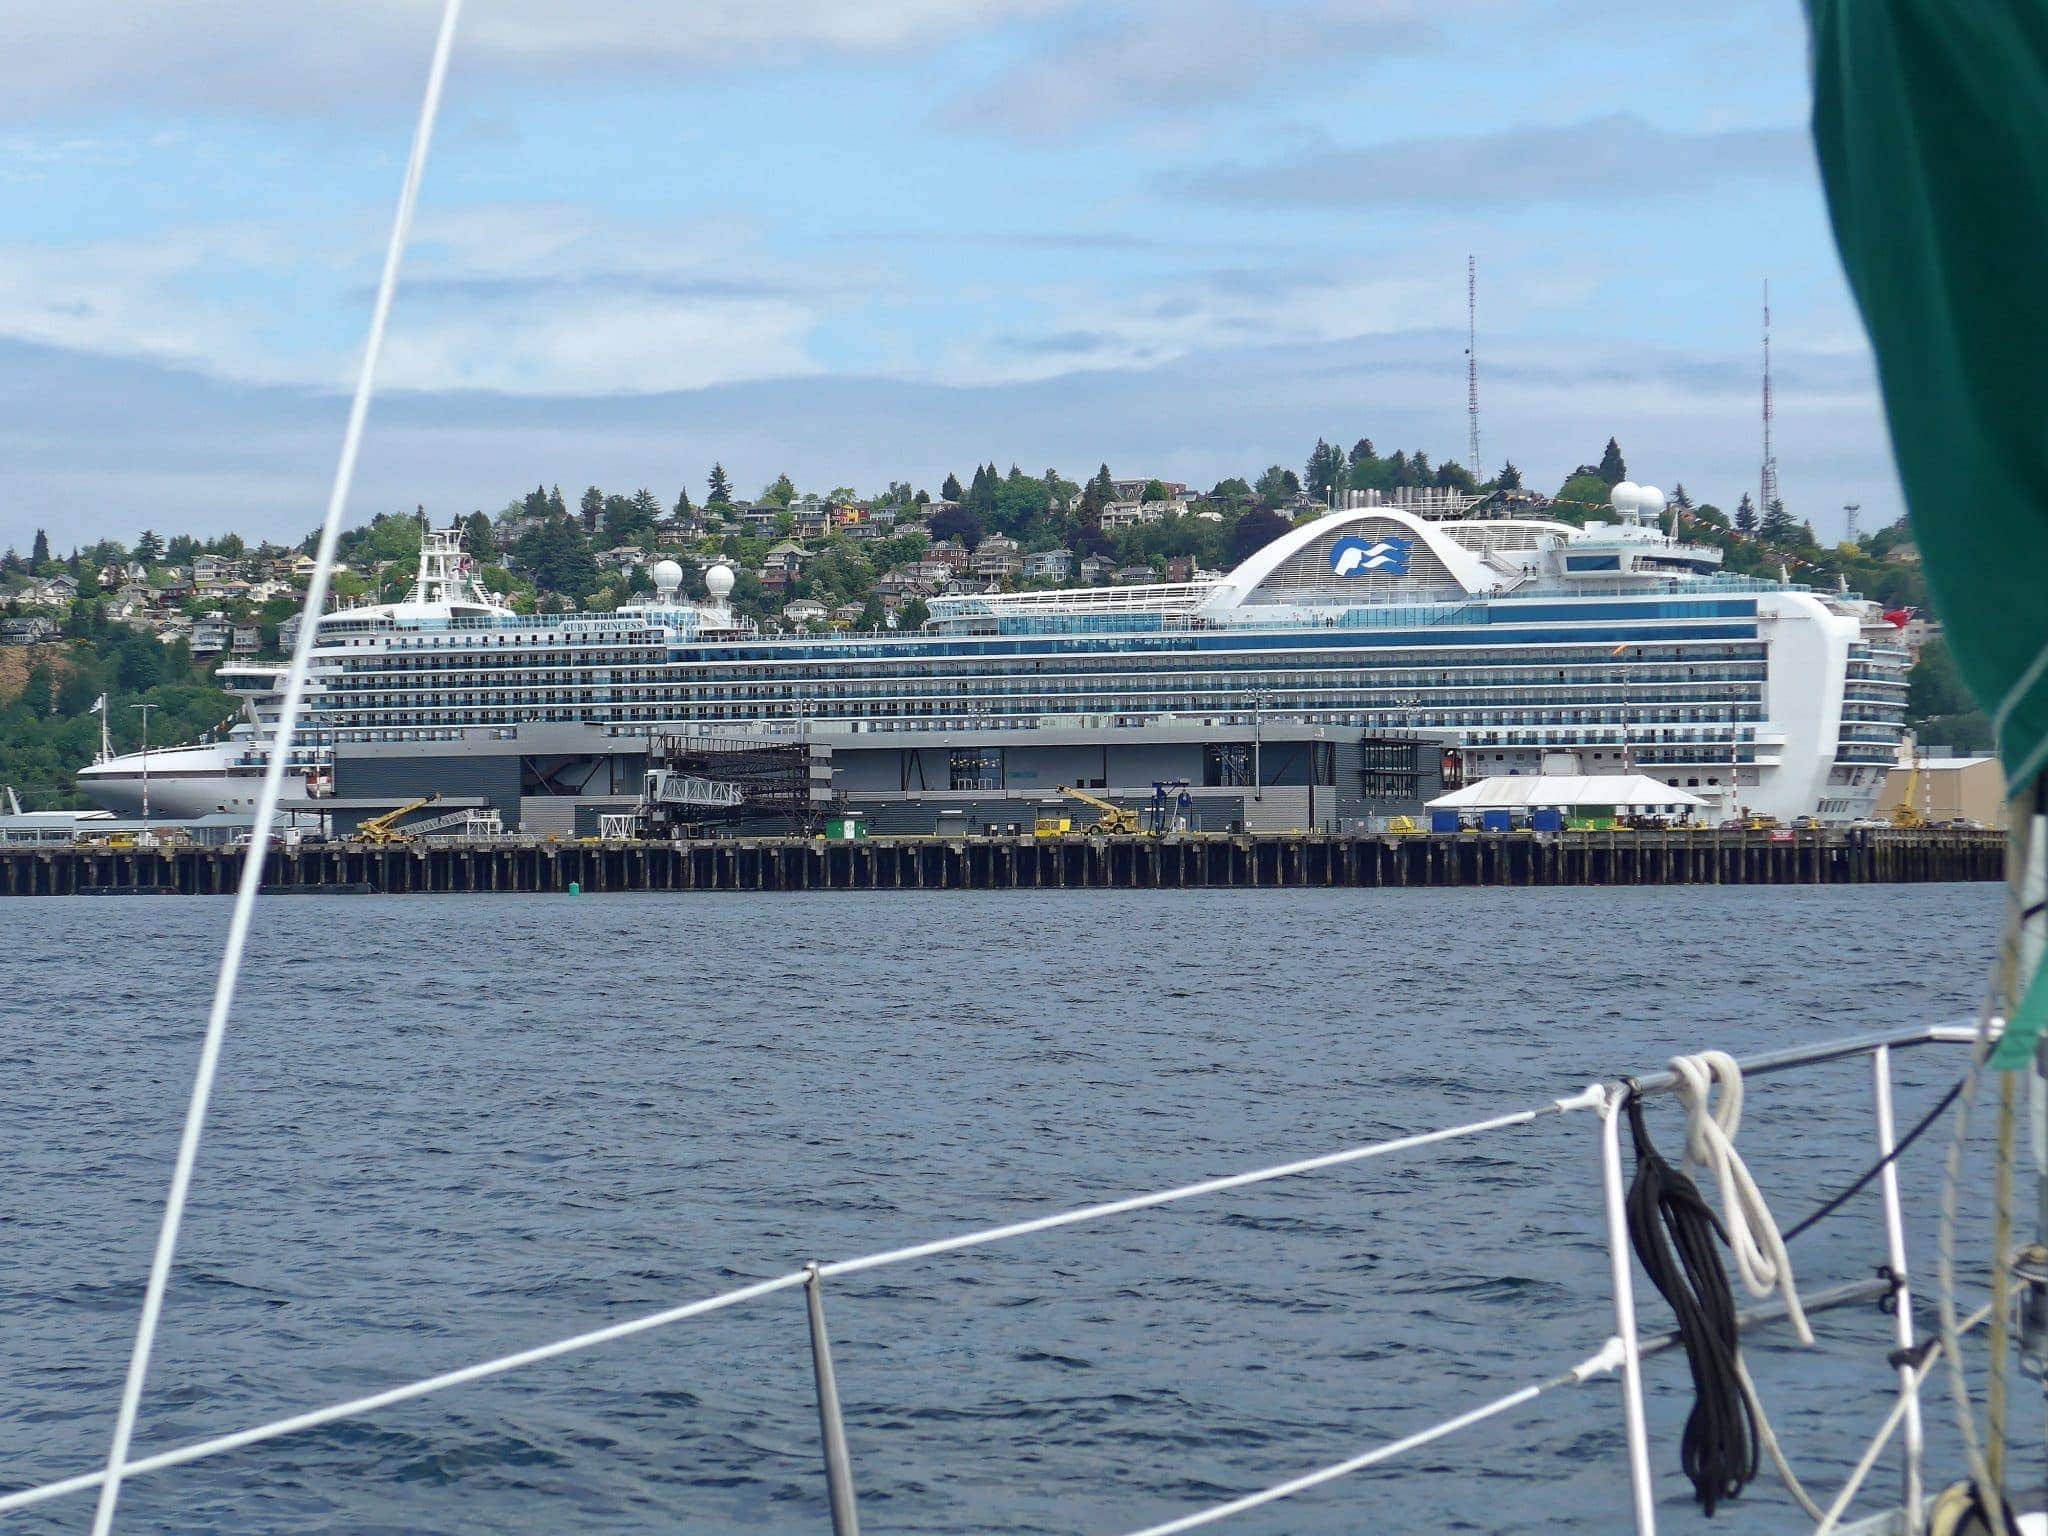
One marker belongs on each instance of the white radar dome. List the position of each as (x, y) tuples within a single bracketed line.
[(718, 581), (667, 577), (1627, 499), (1650, 502)]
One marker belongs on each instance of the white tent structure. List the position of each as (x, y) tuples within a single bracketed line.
[(1624, 794)]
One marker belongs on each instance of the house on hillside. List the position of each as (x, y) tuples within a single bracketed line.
[(1048, 565)]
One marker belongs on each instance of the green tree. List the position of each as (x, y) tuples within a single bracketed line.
[(591, 508), (1326, 466), (557, 556), (1613, 468), (39, 552), (952, 490), (720, 488), (1234, 490), (1510, 478), (1277, 486), (149, 549), (913, 614), (683, 507), (1361, 453), (477, 538), (1585, 495), (1777, 526), (1745, 516), (1255, 530)]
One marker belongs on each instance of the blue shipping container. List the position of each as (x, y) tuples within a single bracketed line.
[(1443, 821), (1497, 821)]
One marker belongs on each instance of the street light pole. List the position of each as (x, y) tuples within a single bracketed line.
[(145, 709)]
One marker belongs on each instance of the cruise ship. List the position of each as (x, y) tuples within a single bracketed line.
[(1528, 645)]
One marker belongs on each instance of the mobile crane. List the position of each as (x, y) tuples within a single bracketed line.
[(1114, 820), (382, 831)]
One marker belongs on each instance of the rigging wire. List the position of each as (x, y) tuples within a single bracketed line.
[(273, 782), (2018, 905), (1835, 1202)]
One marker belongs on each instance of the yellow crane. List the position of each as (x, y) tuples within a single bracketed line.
[(1114, 820), (1906, 813), (382, 831)]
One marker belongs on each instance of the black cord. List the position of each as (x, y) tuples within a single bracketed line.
[(1878, 1167), (1673, 1231)]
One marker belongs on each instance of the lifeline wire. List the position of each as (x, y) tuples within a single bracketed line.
[(1588, 1098), (273, 783)]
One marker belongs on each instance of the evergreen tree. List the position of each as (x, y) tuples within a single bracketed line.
[(1777, 523), (1679, 500), (781, 491), (1326, 466), (477, 539), (1613, 468), (914, 614), (39, 551), (720, 488), (1105, 486), (952, 489), (149, 549), (557, 557), (1745, 516), (1509, 478), (683, 507), (646, 510), (1397, 470), (1361, 453), (591, 508), (1419, 472), (556, 505), (536, 502)]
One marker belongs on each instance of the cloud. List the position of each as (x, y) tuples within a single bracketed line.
[(1604, 159), (199, 454), (1184, 55), (318, 55), (508, 298)]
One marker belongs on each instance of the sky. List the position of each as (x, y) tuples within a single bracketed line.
[(883, 241)]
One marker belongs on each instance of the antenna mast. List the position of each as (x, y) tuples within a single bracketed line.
[(1472, 366), (1767, 482)]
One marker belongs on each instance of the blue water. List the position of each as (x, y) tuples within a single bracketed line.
[(450, 1127)]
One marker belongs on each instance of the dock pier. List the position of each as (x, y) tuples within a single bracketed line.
[(1679, 856)]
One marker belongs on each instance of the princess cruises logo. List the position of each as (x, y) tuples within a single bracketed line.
[(1354, 556)]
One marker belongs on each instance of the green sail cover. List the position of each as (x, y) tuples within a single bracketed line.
[(1931, 119)]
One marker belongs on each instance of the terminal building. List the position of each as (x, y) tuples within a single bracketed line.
[(1234, 775)]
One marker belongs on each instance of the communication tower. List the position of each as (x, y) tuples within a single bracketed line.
[(1767, 482), (1472, 366)]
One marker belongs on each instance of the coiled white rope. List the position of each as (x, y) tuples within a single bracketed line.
[(266, 808), (1711, 1124)]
